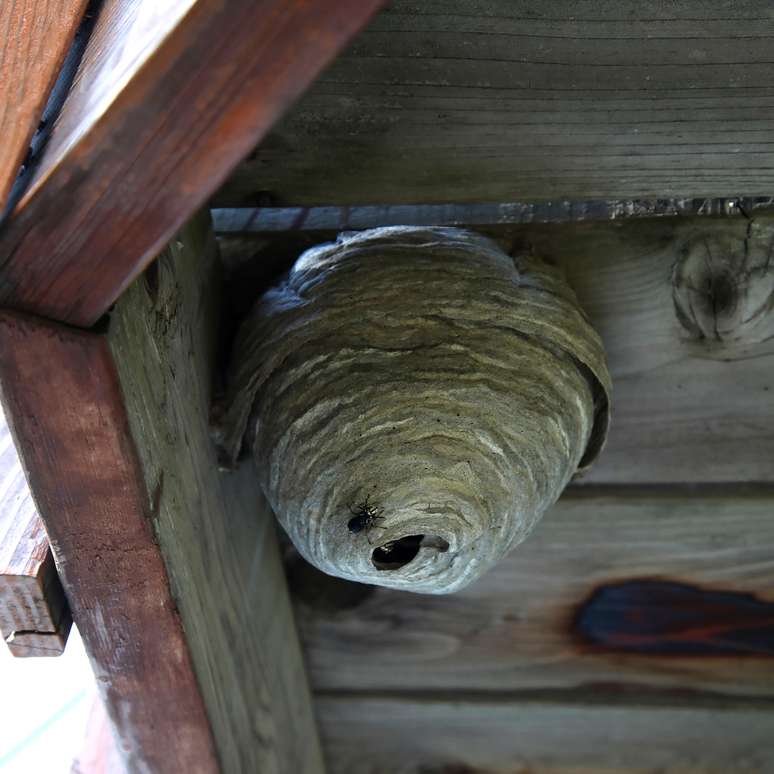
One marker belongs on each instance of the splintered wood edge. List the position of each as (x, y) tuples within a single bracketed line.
[(27, 644), (34, 616)]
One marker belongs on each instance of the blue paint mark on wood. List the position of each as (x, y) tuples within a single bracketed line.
[(677, 619)]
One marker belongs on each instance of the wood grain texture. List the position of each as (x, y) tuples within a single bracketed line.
[(502, 100), (517, 628), (35, 644), (215, 530), (685, 410), (168, 97), (34, 38), (34, 615), (457, 735), (63, 402)]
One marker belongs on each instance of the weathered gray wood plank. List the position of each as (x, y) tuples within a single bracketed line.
[(500, 100), (674, 569), (400, 735), (684, 410), (215, 531)]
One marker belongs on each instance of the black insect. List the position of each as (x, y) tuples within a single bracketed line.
[(365, 517)]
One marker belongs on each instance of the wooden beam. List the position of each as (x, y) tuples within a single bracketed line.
[(686, 408), (504, 100), (457, 734), (63, 401), (35, 36), (169, 96), (214, 530), (34, 615)]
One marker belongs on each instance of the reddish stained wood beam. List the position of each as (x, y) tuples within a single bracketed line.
[(168, 98), (34, 616), (67, 414), (34, 38)]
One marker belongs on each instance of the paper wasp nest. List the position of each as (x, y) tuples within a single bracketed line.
[(415, 400)]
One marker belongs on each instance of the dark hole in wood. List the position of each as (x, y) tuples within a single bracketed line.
[(722, 293), (151, 279), (398, 553)]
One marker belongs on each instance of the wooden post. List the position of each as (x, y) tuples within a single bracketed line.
[(214, 530), (65, 408), (113, 431)]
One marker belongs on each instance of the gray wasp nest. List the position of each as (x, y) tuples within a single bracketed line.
[(415, 400)]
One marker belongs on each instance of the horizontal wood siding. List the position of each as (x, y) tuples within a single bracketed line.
[(637, 621), (507, 100), (685, 409), (457, 735), (521, 627)]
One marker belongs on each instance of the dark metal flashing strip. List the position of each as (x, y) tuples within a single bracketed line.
[(268, 219), (56, 100)]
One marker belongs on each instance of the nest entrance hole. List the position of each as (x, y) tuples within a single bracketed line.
[(398, 553)]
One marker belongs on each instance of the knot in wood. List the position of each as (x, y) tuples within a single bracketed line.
[(723, 287)]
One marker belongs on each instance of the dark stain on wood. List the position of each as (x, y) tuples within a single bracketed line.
[(659, 617)]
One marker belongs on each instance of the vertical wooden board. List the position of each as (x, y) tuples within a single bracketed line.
[(214, 529), (34, 38), (462, 735), (63, 402)]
